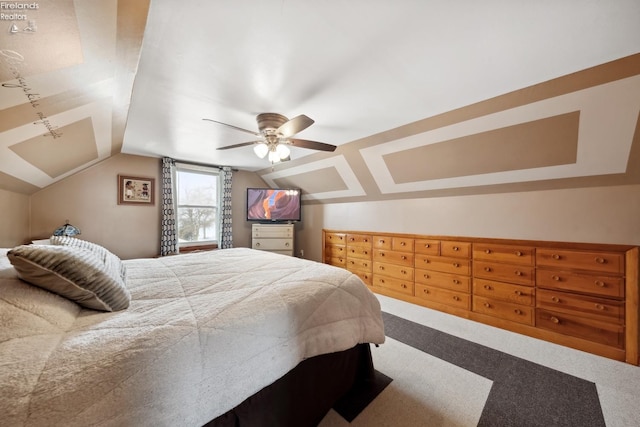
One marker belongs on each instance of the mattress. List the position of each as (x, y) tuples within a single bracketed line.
[(203, 332)]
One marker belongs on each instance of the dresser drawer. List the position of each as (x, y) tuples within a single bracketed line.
[(363, 252), (581, 305), (382, 242), (427, 247), (337, 261), (332, 251), (359, 240), (454, 282), (523, 255), (394, 284), (393, 270), (583, 283), (269, 231), (503, 310), (272, 244), (443, 296), (394, 257), (359, 264), (366, 277), (443, 264), (605, 333), (520, 274), (402, 244), (604, 262), (335, 238), (455, 249), (517, 294)]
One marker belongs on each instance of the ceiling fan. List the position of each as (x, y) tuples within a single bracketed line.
[(275, 136)]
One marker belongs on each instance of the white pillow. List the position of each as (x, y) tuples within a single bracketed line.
[(74, 273)]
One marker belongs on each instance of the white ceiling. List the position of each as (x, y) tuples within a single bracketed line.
[(357, 67)]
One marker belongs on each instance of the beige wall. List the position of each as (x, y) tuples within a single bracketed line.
[(89, 201), (597, 215), (14, 223)]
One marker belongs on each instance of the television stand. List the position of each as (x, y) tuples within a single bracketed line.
[(276, 238)]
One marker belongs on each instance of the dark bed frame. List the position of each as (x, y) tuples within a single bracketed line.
[(304, 395)]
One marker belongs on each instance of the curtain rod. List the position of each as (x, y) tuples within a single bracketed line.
[(202, 164)]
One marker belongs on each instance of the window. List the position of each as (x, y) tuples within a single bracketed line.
[(197, 201)]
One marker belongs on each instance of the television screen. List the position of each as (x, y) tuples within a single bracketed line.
[(273, 204)]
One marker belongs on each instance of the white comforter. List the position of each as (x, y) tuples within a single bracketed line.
[(203, 332)]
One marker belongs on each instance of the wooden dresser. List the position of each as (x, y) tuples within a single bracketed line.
[(580, 295)]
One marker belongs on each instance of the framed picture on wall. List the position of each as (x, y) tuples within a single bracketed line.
[(135, 190)]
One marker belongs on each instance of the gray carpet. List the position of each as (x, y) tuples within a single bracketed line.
[(523, 393)]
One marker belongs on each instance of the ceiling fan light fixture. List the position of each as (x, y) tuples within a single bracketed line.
[(261, 150), (274, 157), (283, 151)]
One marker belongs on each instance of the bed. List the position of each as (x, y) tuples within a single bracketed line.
[(226, 337)]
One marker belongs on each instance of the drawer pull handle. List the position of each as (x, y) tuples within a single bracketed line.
[(352, 239), (381, 280), (426, 261), (518, 273), (456, 265), (517, 311), (352, 262), (487, 287), (403, 271), (258, 244), (365, 240), (364, 264), (519, 293), (402, 243), (601, 260), (426, 245), (426, 291), (456, 282), (456, 298), (487, 269), (381, 241), (555, 319), (455, 248), (287, 244), (555, 256), (426, 276), (365, 252), (600, 306), (518, 253), (555, 299), (600, 283), (487, 251), (556, 278), (381, 253), (403, 257), (380, 267), (486, 304), (403, 286)]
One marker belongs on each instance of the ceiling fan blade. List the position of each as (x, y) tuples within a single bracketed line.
[(234, 127), (314, 145), (295, 125), (242, 144)]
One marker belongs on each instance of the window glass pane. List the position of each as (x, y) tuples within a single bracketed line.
[(197, 200), (197, 189), (197, 224)]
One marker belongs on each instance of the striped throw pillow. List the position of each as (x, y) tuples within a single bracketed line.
[(74, 273)]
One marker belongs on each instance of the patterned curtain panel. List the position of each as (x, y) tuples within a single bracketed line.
[(226, 237), (168, 238)]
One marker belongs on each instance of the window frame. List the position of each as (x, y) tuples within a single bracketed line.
[(207, 170)]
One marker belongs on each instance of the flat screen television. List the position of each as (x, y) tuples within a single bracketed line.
[(273, 204)]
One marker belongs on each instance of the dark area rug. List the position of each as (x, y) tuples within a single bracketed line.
[(523, 393)]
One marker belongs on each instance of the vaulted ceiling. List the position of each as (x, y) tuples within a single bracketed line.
[(422, 97)]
